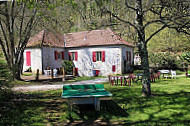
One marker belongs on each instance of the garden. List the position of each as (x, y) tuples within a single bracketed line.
[(168, 105)]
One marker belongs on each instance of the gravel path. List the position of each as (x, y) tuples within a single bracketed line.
[(46, 87)]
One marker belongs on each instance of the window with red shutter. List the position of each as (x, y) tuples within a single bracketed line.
[(55, 54), (76, 56), (127, 56), (62, 54), (103, 56), (94, 56), (28, 58)]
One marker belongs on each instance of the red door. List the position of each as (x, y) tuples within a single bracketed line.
[(28, 58)]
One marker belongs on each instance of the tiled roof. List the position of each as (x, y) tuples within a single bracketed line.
[(46, 38), (78, 39), (93, 38)]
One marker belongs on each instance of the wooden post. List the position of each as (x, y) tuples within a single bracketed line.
[(63, 74), (37, 75), (121, 80), (52, 73), (73, 71)]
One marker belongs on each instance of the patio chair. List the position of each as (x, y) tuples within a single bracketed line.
[(158, 75), (152, 77), (173, 73), (45, 72), (54, 72), (132, 76)]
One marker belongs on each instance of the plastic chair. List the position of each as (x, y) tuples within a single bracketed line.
[(173, 73), (45, 72), (54, 72)]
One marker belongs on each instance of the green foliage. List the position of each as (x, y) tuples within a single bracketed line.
[(185, 57), (68, 65), (167, 40), (163, 60), (4, 80)]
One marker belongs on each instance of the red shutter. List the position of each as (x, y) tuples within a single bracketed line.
[(113, 68), (103, 56), (76, 56), (94, 56), (70, 56), (55, 53), (127, 56), (62, 54), (28, 58)]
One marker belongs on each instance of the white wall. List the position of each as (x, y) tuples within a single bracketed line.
[(49, 57), (36, 61), (85, 64), (124, 57)]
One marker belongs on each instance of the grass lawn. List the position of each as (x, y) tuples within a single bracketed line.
[(168, 105)]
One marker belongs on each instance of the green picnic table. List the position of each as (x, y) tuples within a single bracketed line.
[(85, 94)]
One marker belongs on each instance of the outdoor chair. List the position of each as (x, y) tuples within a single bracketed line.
[(173, 73), (158, 75), (132, 77), (54, 72), (152, 77), (45, 72)]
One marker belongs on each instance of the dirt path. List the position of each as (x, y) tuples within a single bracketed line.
[(46, 87)]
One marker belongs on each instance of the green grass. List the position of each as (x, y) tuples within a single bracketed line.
[(168, 105)]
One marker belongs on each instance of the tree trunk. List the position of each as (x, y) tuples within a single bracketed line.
[(142, 47)]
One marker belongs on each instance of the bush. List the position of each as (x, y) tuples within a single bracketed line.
[(164, 60), (4, 80), (68, 65)]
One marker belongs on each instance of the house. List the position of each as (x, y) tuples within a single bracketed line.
[(100, 50)]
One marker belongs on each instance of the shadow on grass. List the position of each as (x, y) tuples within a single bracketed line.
[(89, 116), (127, 107)]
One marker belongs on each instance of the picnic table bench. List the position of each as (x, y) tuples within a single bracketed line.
[(84, 94)]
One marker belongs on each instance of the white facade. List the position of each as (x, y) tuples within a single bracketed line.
[(114, 55), (35, 58), (41, 58)]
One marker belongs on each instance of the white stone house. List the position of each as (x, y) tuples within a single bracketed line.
[(100, 50)]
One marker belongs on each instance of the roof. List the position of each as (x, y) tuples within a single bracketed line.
[(46, 38), (93, 38), (77, 39)]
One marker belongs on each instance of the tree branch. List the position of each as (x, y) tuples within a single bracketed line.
[(4, 51), (164, 26), (127, 5), (115, 16), (151, 22)]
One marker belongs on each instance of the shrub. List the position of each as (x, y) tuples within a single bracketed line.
[(4, 80), (163, 60), (68, 65)]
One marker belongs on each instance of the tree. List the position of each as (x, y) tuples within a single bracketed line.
[(137, 15), (17, 19)]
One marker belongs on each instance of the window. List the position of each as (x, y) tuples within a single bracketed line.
[(98, 56), (59, 55), (73, 56)]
